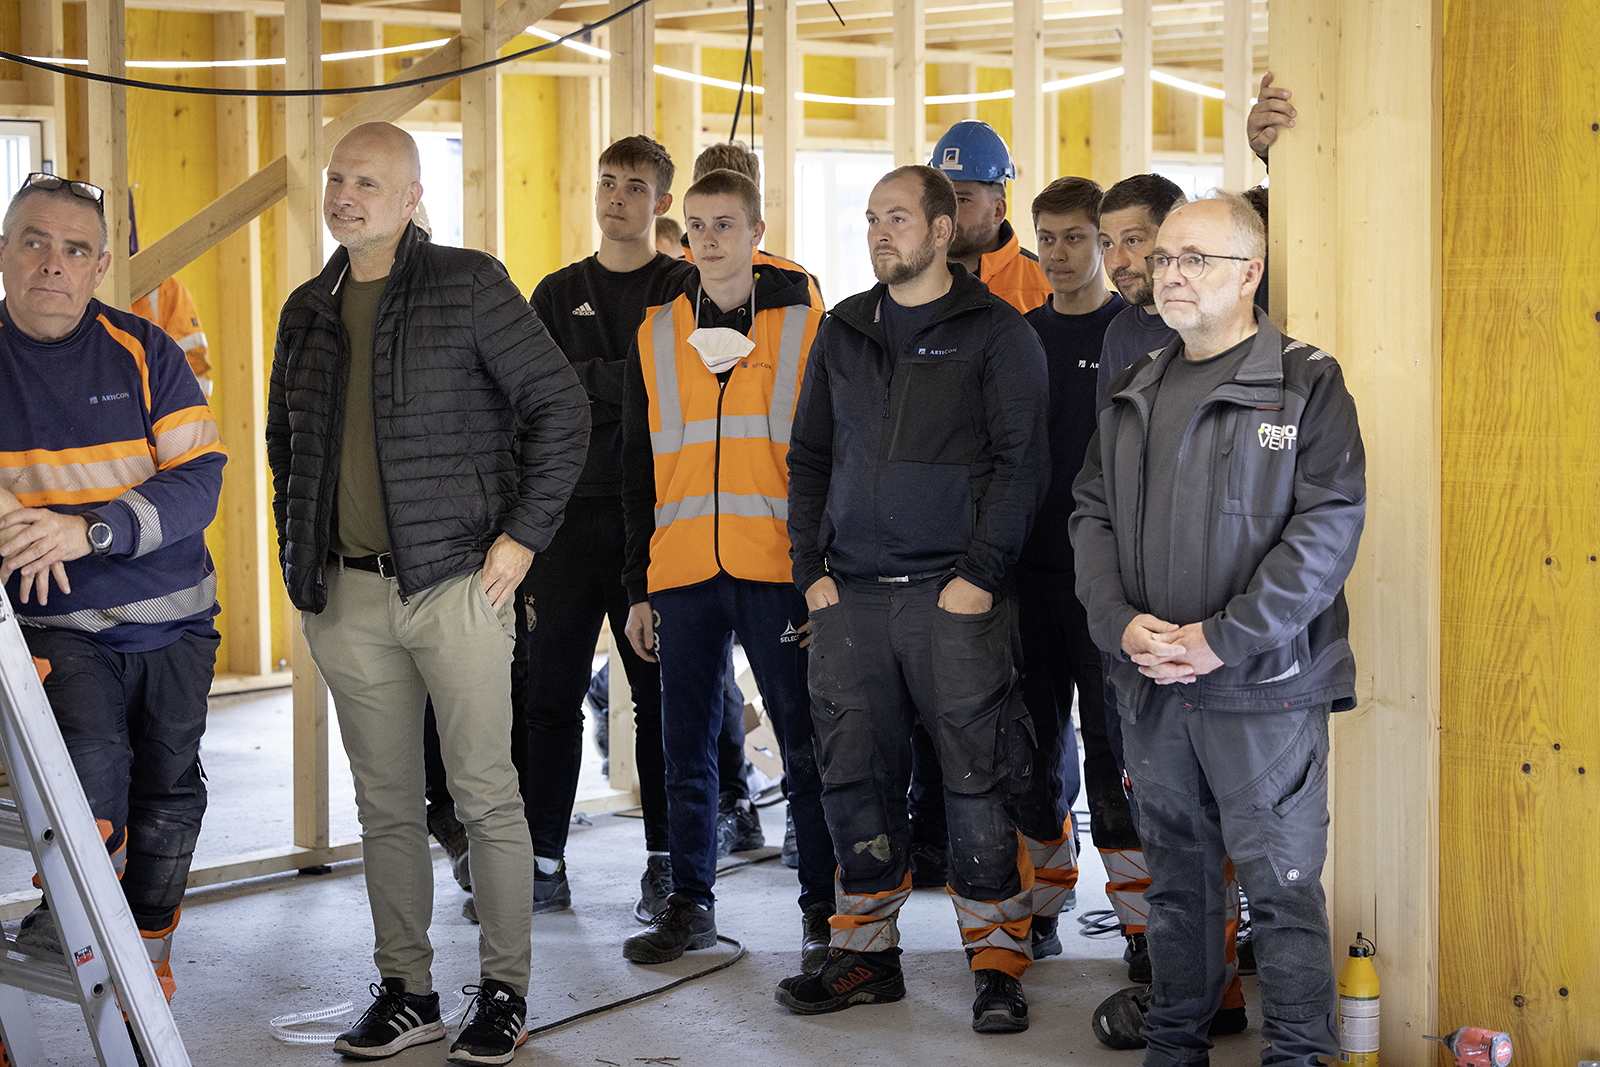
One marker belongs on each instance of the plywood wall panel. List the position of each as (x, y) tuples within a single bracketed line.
[(1520, 849)]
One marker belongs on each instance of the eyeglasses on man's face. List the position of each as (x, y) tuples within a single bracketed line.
[(1189, 264)]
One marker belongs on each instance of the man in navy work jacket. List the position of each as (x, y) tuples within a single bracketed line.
[(918, 460)]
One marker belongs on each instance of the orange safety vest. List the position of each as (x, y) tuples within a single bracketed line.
[(721, 452), (1014, 276), (171, 307)]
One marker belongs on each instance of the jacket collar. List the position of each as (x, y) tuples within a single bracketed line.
[(1010, 248), (338, 266), (863, 312), (1258, 383)]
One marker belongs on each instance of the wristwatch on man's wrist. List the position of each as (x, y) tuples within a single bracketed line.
[(99, 533)]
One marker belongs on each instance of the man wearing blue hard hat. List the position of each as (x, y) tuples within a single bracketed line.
[(976, 160)]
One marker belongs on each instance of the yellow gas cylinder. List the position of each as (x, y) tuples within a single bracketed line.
[(1358, 1007)]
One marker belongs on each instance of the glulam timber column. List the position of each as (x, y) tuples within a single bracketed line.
[(680, 118), (782, 76), (910, 82), (241, 369), (1355, 262), (1138, 100), (1520, 744), (108, 138), (1033, 155), (633, 80), (306, 155), (483, 191), (1238, 51)]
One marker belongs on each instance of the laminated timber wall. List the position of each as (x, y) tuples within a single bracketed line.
[(1519, 944)]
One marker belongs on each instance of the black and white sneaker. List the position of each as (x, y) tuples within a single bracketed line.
[(397, 1020), (497, 1026)]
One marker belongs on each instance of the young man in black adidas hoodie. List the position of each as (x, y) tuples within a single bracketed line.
[(591, 308), (918, 460)]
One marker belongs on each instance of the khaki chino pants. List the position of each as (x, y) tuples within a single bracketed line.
[(382, 658)]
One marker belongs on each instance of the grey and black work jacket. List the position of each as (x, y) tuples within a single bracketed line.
[(1268, 504), (481, 424)]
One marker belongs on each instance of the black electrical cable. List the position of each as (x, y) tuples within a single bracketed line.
[(647, 994), (201, 90), (747, 75)]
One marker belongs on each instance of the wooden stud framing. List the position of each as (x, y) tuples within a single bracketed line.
[(910, 83), (1030, 152), (108, 139), (483, 190), (248, 200), (1137, 98), (303, 163), (956, 79), (241, 399), (44, 34), (874, 77), (680, 117), (578, 104), (633, 79), (781, 117), (1238, 48)]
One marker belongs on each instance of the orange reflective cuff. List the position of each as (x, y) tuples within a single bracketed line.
[(154, 935), (1001, 959)]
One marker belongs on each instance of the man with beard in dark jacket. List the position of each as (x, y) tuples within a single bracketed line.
[(918, 461), (424, 434)]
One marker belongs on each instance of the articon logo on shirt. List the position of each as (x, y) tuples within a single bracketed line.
[(1277, 438), (584, 310), (1084, 364), (790, 634), (108, 397)]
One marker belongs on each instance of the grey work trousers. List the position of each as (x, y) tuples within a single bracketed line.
[(382, 657), (1210, 784)]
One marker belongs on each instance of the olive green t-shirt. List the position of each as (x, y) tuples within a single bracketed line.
[(362, 530)]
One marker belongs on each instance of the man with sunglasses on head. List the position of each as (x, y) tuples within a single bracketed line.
[(1218, 514), (108, 447)]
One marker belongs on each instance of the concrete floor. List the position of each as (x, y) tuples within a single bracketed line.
[(248, 952)]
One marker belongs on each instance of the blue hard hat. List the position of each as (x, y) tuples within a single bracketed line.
[(970, 151)]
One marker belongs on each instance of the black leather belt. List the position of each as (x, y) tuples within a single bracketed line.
[(382, 564)]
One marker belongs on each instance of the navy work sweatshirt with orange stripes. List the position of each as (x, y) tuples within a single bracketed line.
[(111, 419)]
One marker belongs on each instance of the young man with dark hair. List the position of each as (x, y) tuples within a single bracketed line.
[(709, 399), (917, 465), (1131, 214), (591, 309), (1058, 656)]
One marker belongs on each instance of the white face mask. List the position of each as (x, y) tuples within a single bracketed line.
[(719, 347)]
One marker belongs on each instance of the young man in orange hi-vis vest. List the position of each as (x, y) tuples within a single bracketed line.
[(918, 462), (709, 397)]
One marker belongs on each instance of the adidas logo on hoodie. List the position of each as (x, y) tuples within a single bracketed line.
[(584, 310)]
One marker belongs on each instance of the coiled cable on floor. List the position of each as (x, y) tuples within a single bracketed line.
[(1100, 923), (280, 1026)]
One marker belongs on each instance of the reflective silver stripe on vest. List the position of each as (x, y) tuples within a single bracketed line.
[(182, 604), (776, 426), (744, 505), (787, 383), (149, 521), (669, 407)]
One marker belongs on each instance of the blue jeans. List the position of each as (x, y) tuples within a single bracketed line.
[(132, 722), (1210, 784), (695, 627)]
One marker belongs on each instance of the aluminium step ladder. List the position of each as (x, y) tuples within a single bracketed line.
[(103, 967)]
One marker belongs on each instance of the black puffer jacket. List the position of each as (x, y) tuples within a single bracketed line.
[(482, 426)]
